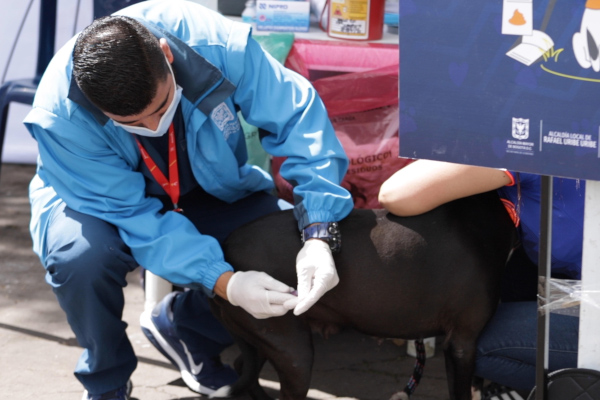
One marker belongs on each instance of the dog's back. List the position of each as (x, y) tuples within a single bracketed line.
[(409, 277)]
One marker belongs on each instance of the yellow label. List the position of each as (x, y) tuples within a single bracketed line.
[(349, 18)]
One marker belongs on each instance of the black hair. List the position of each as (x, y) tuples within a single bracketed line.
[(117, 64)]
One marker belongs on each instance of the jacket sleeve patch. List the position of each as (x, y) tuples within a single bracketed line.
[(225, 120)]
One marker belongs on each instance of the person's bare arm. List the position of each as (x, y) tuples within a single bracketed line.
[(425, 184), (220, 288)]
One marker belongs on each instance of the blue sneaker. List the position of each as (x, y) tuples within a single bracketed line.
[(121, 393), (202, 374)]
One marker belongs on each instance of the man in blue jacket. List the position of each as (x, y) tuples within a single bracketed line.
[(143, 162)]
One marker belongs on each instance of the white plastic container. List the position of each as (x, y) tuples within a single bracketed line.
[(249, 13), (282, 16)]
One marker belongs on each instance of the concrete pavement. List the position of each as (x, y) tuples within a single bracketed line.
[(39, 351)]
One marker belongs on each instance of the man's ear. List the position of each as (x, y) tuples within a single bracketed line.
[(166, 49)]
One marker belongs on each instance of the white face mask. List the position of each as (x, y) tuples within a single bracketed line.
[(165, 120)]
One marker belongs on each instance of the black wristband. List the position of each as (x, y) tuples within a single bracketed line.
[(326, 231)]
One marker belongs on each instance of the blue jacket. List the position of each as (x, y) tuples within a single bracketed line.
[(568, 203), (92, 164)]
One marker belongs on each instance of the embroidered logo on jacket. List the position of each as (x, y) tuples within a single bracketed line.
[(225, 120)]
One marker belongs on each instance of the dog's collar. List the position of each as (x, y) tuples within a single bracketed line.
[(326, 231)]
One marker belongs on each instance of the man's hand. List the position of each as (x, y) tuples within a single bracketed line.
[(259, 294), (316, 275)]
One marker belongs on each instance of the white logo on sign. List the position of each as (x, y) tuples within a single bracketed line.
[(520, 128)]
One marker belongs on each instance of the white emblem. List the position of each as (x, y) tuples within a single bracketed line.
[(520, 128), (225, 120)]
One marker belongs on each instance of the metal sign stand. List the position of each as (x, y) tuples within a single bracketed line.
[(543, 327)]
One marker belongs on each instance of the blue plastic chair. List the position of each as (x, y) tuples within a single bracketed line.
[(23, 90)]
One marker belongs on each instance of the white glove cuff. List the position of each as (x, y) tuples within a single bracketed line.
[(316, 245)]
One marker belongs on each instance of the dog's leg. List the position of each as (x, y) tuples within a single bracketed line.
[(476, 388), (248, 366), (286, 342), (289, 348), (460, 365), (250, 362)]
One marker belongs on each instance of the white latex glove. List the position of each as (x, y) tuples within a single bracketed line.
[(316, 275), (586, 43), (259, 294)]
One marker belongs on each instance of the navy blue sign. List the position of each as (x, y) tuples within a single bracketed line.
[(502, 83)]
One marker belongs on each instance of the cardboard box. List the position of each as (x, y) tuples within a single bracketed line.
[(282, 16)]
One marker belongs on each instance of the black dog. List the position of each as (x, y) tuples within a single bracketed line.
[(400, 277)]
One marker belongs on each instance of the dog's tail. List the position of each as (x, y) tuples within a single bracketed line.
[(415, 378)]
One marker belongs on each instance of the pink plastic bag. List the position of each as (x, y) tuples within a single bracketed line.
[(363, 108)]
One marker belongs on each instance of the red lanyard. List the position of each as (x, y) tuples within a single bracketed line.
[(171, 186)]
